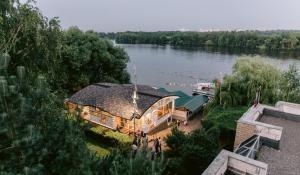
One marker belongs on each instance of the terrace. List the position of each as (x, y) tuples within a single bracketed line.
[(268, 134), (287, 159)]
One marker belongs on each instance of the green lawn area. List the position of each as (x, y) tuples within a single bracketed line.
[(100, 149), (102, 140)]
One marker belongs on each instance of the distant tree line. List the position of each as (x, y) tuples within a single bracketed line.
[(268, 40)]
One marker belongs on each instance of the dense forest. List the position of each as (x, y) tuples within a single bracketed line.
[(257, 40)]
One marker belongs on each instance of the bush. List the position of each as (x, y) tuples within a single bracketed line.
[(224, 120), (223, 117), (191, 153)]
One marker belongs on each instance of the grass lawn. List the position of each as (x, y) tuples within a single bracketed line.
[(99, 148), (102, 140)]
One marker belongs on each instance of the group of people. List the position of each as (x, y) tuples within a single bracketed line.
[(140, 140), (156, 148)]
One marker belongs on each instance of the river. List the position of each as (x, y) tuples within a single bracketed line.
[(180, 69)]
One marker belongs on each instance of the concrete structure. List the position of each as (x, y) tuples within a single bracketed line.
[(228, 161), (269, 134)]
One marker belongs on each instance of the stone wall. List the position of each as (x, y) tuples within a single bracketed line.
[(243, 132)]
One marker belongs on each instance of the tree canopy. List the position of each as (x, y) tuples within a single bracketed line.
[(191, 153), (68, 59), (253, 74), (40, 64)]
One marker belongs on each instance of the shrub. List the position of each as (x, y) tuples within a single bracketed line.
[(223, 117), (191, 153), (224, 120)]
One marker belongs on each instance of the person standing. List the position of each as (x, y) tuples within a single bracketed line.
[(139, 141), (156, 143), (145, 141), (159, 144), (153, 151), (134, 146)]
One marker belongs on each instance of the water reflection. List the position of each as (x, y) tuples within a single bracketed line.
[(180, 68)]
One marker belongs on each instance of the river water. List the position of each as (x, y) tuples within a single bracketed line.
[(180, 69)]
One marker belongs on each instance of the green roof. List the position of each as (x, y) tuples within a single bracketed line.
[(183, 97), (195, 103), (186, 101)]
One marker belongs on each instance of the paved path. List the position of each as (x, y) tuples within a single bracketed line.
[(193, 124)]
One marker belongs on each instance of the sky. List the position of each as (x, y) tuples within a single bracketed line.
[(166, 15)]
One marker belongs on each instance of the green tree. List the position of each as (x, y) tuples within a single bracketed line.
[(249, 74), (38, 138), (191, 153), (87, 59), (290, 85)]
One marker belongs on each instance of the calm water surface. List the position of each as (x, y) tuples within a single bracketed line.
[(180, 69)]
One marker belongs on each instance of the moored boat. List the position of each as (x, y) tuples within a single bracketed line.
[(204, 89)]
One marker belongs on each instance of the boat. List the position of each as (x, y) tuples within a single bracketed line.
[(204, 89)]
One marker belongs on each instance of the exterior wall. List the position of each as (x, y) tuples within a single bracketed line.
[(159, 112), (94, 115), (249, 125), (230, 161), (102, 118), (153, 117), (243, 132), (246, 165), (287, 107), (180, 115)]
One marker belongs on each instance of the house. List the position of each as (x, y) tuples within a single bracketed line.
[(186, 106), (111, 105), (266, 142)]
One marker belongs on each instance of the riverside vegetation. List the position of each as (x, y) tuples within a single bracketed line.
[(250, 40), (40, 65)]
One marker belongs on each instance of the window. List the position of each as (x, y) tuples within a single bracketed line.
[(123, 122), (107, 120), (103, 119), (92, 109), (164, 110)]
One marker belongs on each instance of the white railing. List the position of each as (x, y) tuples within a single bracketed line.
[(162, 119)]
